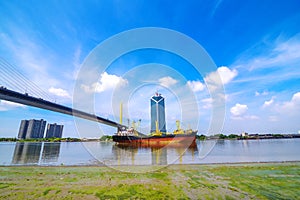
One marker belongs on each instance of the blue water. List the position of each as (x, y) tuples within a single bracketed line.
[(107, 153)]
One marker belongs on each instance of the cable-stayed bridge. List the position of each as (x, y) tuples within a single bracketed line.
[(21, 83), (25, 99)]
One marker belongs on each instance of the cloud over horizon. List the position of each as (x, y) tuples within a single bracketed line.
[(167, 81), (59, 92), (7, 105), (106, 82), (196, 86)]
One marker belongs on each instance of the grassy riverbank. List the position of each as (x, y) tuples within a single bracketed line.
[(263, 181)]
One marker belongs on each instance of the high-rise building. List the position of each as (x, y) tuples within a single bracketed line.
[(36, 128), (32, 129), (54, 130), (23, 129), (157, 104)]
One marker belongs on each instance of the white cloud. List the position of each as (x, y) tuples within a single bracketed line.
[(292, 104), (167, 81), (268, 103), (106, 82), (238, 110), (282, 54), (7, 105), (207, 103), (196, 86), (296, 98), (59, 92), (264, 93), (223, 75), (251, 117), (285, 112), (226, 74)]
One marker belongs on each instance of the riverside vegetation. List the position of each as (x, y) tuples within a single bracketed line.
[(108, 138), (236, 181)]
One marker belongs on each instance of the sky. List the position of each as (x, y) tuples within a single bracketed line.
[(248, 78)]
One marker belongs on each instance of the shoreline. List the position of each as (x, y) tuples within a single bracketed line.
[(162, 166), (2, 140)]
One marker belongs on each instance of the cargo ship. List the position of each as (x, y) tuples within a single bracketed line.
[(179, 138), (159, 137)]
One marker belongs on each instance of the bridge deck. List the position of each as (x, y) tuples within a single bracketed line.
[(25, 99)]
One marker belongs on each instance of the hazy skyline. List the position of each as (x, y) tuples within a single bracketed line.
[(254, 45)]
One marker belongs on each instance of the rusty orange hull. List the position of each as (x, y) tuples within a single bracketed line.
[(182, 140)]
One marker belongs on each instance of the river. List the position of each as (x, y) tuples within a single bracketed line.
[(107, 153)]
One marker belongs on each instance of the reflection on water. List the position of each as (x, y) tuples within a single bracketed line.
[(138, 155), (159, 156), (99, 153), (27, 153), (35, 153), (50, 152)]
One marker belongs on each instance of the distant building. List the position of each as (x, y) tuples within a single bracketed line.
[(36, 129), (244, 134), (23, 129), (157, 104), (54, 130), (32, 129)]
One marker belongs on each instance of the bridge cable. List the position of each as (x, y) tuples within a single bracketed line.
[(16, 79)]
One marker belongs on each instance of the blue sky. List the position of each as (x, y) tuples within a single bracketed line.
[(254, 45)]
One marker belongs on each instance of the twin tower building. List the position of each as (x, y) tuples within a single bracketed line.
[(157, 104), (36, 128)]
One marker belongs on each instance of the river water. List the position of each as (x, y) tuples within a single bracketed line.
[(107, 153)]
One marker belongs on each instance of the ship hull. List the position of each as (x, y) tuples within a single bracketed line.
[(181, 140)]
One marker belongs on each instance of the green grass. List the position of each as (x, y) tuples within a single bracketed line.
[(279, 181), (46, 191), (251, 181)]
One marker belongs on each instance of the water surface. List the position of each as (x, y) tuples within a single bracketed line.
[(99, 153)]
